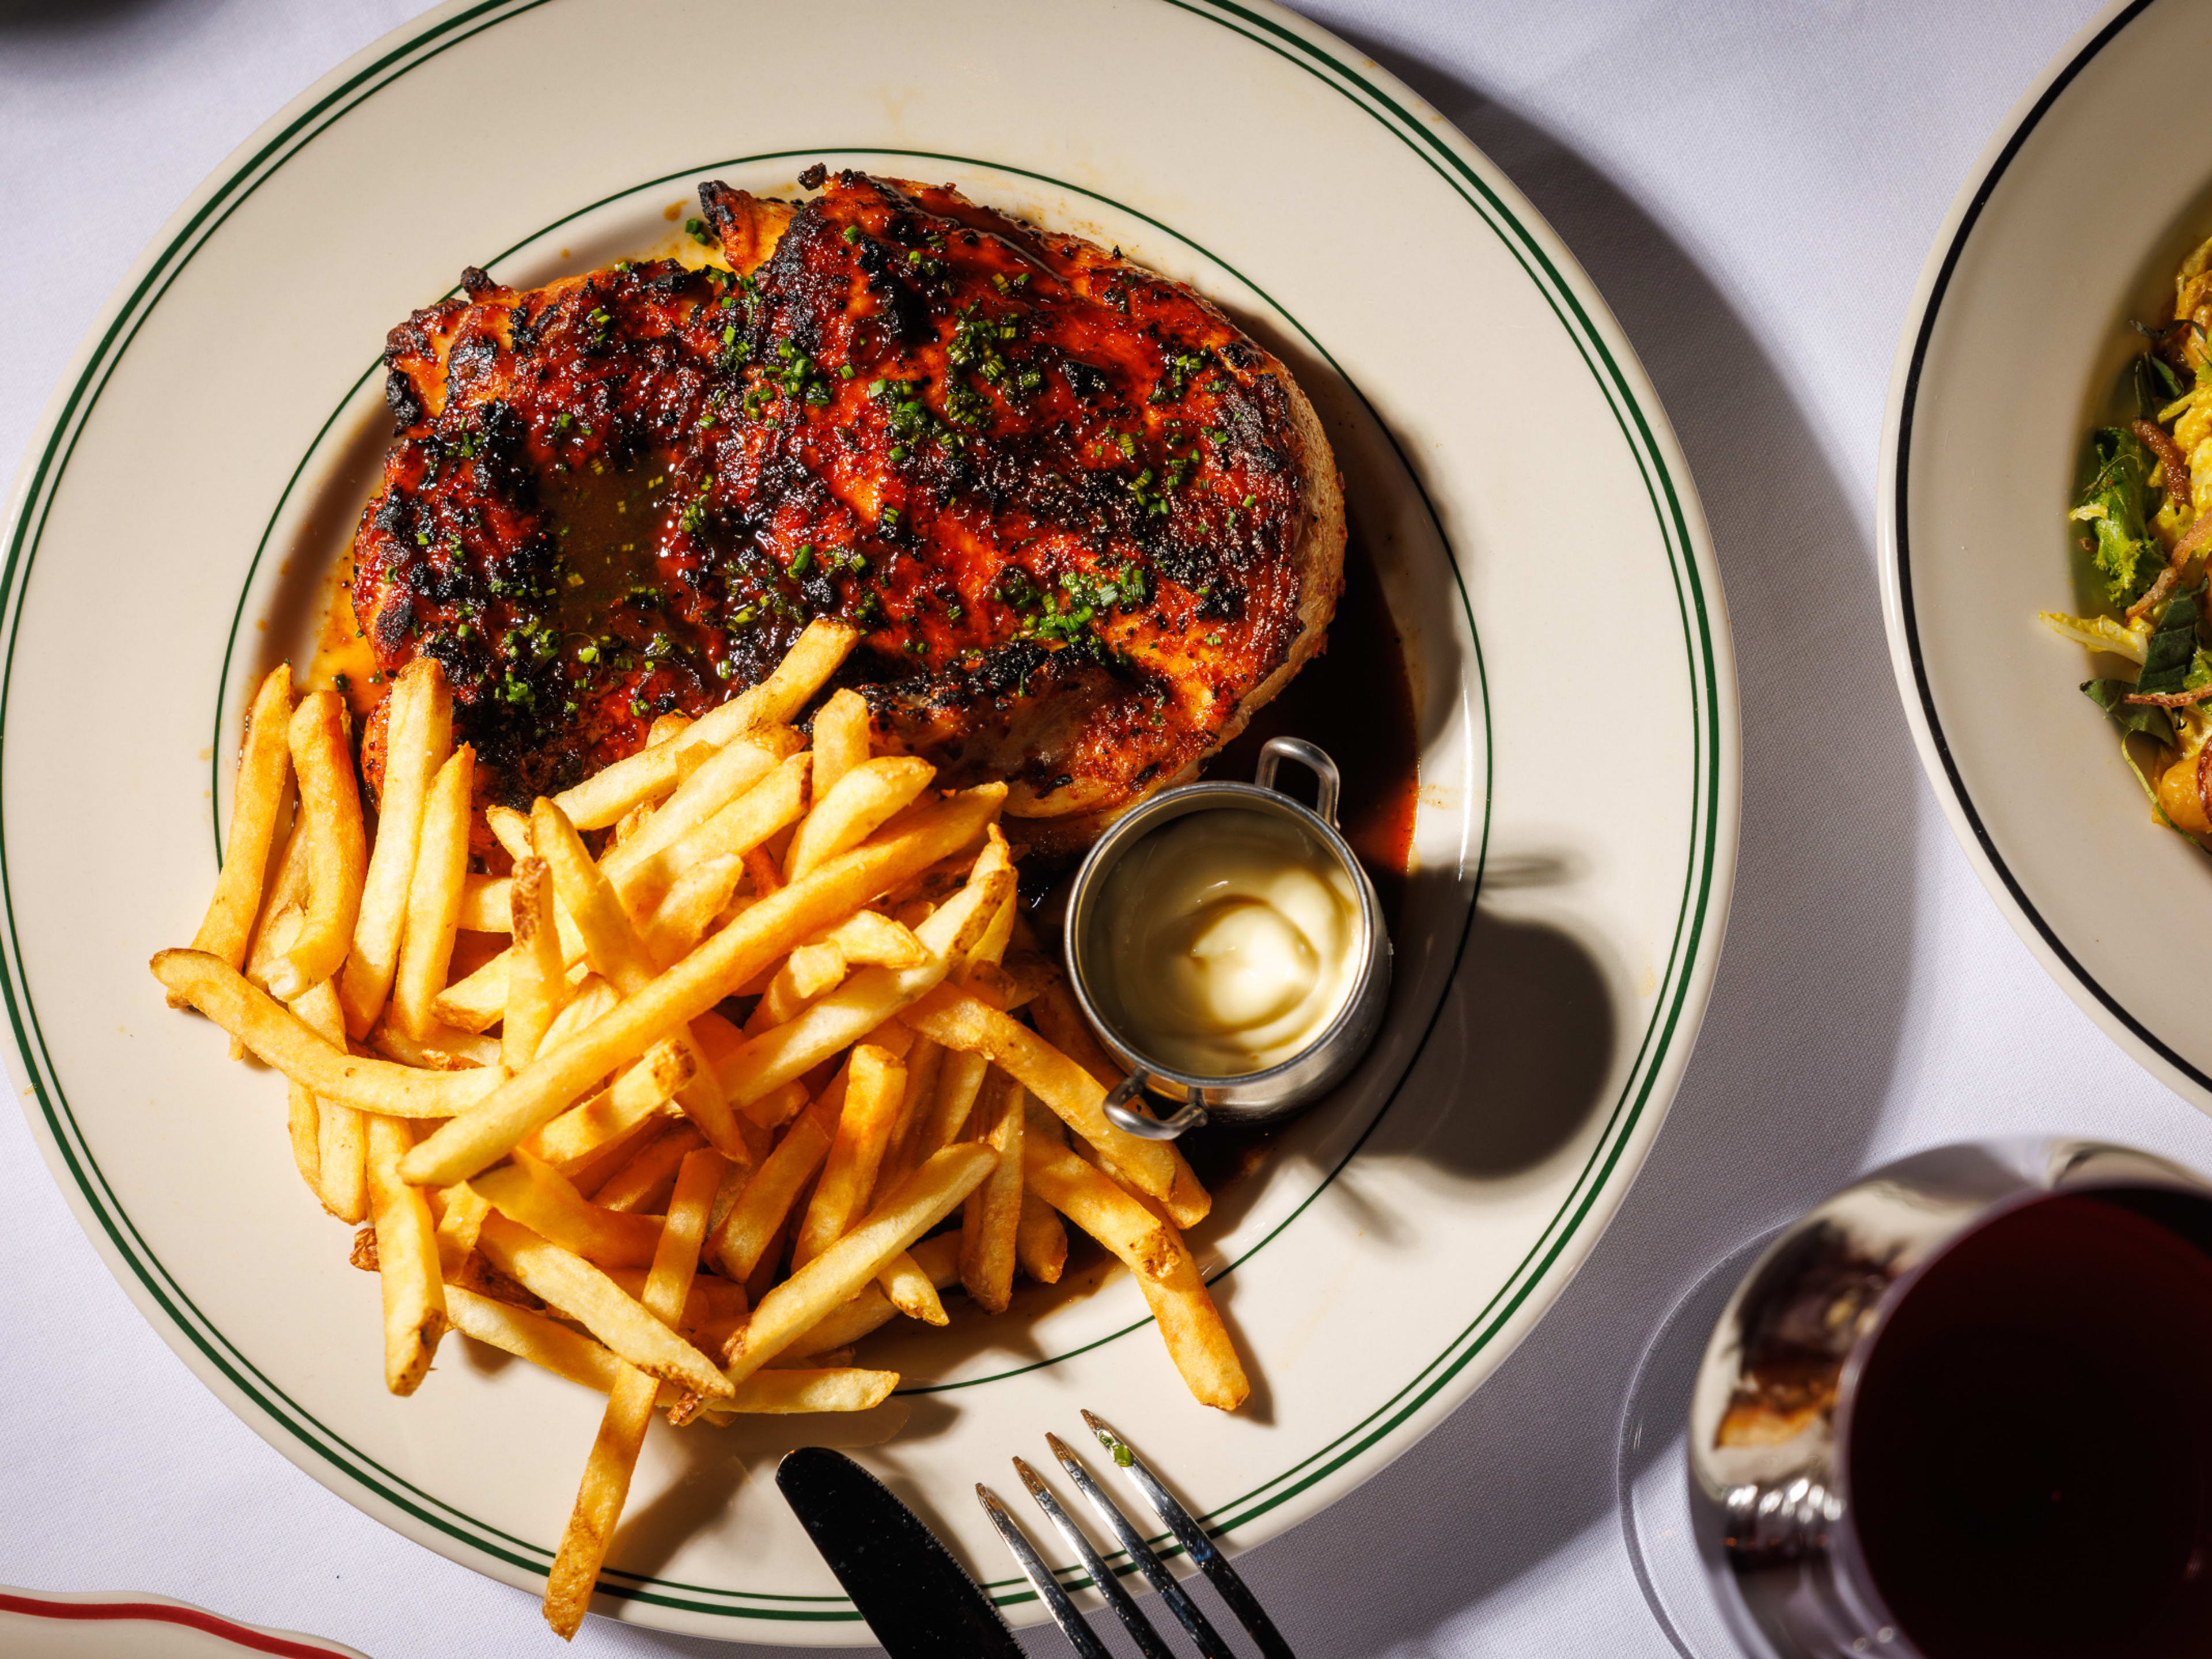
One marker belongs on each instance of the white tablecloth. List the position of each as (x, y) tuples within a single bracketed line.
[(1753, 186)]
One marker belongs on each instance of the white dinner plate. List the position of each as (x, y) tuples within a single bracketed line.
[(2069, 228), (1507, 465)]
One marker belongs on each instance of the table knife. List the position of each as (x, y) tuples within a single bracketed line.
[(906, 1585)]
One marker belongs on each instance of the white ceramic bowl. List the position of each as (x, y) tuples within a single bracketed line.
[(2071, 225)]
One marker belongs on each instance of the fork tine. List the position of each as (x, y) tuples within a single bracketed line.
[(1148, 1639), (1179, 1602), (1087, 1645), (1192, 1537)]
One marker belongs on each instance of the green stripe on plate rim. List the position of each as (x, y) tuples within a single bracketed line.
[(1692, 603)]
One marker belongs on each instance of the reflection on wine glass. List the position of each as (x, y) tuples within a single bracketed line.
[(1962, 1408)]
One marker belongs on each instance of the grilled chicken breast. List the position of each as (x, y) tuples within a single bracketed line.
[(1086, 524)]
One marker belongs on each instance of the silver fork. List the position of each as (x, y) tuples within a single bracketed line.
[(1172, 1515)]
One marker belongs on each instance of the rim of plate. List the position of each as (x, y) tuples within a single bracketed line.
[(1662, 1048), (1900, 619)]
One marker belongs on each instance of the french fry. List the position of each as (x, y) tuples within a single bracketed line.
[(510, 829), (938, 1259), (1197, 1339), (959, 1083), (304, 1122), (665, 726), (810, 972), (721, 779), (917, 1204), (1040, 1240), (924, 1062), (1061, 1024), (418, 737), (264, 766), (641, 1091), (865, 1000), (588, 1171), (559, 1074), (959, 1021), (330, 806), (589, 998), (458, 1229), (641, 1185), (875, 1084), (994, 1209), (441, 1049), (537, 978), (870, 937), (487, 902), (910, 1291), (566, 1281), (406, 1260), (341, 1132), (612, 944), (742, 1241), (653, 772), (841, 738), (711, 1299), (682, 917), (784, 1391), (278, 1037), (282, 909), (762, 871), (540, 1198), (867, 797), (737, 830), (629, 1405)]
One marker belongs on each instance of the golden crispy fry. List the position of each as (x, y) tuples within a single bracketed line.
[(741, 1241), (924, 1062), (537, 978), (279, 1038), (682, 917), (642, 1184), (841, 738), (511, 829), (711, 1299), (720, 780), (330, 806), (939, 1257), (264, 767), (1191, 1325), (458, 1229), (959, 1021), (866, 796), (808, 973), (282, 909), (919, 1203), (1062, 1024), (994, 1209), (566, 1281), (613, 945), (559, 1074), (544, 1342), (541, 1199), (418, 738), (406, 1260), (653, 772), (341, 1132), (910, 1291), (959, 1083), (305, 1123), (875, 1084), (589, 1171), (589, 998), (842, 1389), (1040, 1240), (873, 938), (441, 1050), (642, 1091), (864, 1001), (487, 902), (629, 1405), (665, 726)]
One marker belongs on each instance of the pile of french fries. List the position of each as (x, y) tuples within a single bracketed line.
[(768, 1060)]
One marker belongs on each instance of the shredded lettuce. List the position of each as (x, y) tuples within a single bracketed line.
[(2115, 505), (2102, 633)]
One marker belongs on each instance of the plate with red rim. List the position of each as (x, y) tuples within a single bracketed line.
[(1510, 474), (131, 1624)]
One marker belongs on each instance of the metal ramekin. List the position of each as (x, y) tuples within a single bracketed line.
[(1256, 1097)]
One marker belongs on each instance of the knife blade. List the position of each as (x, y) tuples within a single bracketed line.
[(906, 1585)]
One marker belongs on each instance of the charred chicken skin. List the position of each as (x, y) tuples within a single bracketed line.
[(1085, 524)]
